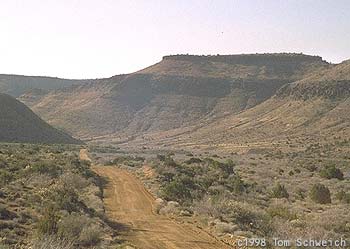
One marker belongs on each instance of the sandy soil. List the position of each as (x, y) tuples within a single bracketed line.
[(129, 203)]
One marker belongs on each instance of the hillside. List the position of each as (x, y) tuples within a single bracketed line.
[(312, 110), (333, 83), (19, 124), (16, 85), (177, 93)]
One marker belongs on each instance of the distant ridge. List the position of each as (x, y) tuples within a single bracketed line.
[(19, 124), (180, 92), (16, 85), (254, 59)]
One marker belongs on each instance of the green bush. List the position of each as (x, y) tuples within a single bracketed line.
[(330, 171), (186, 182), (48, 183), (178, 190), (279, 191), (320, 194)]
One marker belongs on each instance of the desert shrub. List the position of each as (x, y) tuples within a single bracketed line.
[(161, 158), (279, 191), (280, 171), (90, 235), (127, 159), (249, 219), (70, 226), (342, 196), (282, 212), (65, 198), (300, 194), (185, 183), (5, 177), (169, 162), (170, 208), (224, 227), (178, 190), (46, 168), (75, 181), (83, 168), (37, 180), (320, 194), (193, 160), (166, 174), (42, 185), (52, 242), (330, 171), (236, 184), (139, 159), (3, 211), (47, 224), (243, 216), (213, 206), (310, 167), (6, 214), (227, 167)]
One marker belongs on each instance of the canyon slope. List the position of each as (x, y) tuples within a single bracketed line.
[(181, 94), (19, 124), (312, 110)]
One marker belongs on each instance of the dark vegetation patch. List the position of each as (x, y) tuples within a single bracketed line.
[(49, 197), (278, 194)]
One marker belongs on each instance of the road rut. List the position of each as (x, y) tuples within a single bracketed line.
[(128, 202)]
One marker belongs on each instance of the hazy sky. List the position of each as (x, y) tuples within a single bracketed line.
[(101, 38)]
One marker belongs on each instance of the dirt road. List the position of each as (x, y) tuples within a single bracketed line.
[(128, 202)]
